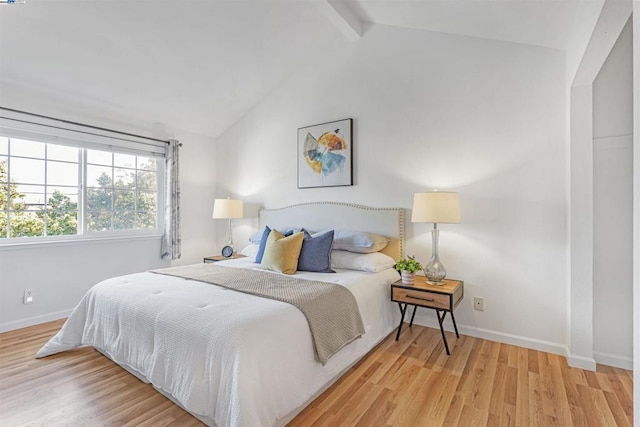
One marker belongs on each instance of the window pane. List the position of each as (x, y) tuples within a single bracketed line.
[(3, 224), (146, 201), (147, 163), (4, 145), (124, 160), (124, 220), (98, 221), (99, 176), (147, 180), (27, 197), (61, 152), (69, 191), (27, 188), (59, 173), (146, 220), (22, 147), (4, 163), (26, 171), (99, 199), (99, 157), (57, 200), (125, 178), (26, 224), (62, 222), (4, 197), (124, 200)]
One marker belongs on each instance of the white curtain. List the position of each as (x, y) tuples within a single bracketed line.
[(172, 238)]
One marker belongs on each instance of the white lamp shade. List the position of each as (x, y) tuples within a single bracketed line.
[(227, 208), (438, 207)]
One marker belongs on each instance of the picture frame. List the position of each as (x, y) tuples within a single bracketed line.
[(325, 154)]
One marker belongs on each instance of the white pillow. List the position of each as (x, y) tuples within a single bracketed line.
[(373, 262), (359, 241), (251, 250)]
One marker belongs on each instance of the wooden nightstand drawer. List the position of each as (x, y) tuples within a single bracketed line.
[(422, 298)]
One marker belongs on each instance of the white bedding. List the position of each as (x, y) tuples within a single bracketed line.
[(230, 358)]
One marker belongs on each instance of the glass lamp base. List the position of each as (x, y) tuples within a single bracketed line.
[(434, 269), (435, 272)]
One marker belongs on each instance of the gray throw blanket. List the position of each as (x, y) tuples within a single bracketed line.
[(331, 310)]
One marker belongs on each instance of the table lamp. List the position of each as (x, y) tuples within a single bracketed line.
[(436, 207), (227, 209)]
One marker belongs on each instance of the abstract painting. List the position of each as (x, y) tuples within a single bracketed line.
[(325, 153)]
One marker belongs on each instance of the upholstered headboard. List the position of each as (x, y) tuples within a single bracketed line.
[(318, 216)]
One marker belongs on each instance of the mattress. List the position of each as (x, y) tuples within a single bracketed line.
[(229, 358)]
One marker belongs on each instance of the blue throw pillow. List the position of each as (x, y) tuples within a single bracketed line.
[(263, 242), (316, 252)]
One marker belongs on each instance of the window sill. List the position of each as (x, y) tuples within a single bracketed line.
[(12, 244)]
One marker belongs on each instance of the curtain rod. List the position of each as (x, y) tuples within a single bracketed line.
[(69, 122)]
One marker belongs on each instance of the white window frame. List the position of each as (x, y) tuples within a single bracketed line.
[(82, 234)]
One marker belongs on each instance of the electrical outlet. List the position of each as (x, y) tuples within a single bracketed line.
[(28, 297), (478, 303)]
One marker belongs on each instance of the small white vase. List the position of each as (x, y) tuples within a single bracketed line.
[(408, 278)]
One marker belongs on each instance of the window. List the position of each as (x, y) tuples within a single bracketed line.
[(122, 191), (50, 189)]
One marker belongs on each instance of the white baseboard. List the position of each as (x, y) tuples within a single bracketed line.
[(517, 340), (575, 361), (614, 360), (36, 320), (520, 341)]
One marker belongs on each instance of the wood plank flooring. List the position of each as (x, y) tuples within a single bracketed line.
[(411, 382)]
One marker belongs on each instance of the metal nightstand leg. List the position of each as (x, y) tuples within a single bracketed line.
[(415, 307), (444, 338), (454, 325), (403, 310)]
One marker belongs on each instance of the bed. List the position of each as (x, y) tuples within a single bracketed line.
[(229, 358)]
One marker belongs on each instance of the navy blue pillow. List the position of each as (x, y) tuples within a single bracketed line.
[(263, 242), (316, 252)]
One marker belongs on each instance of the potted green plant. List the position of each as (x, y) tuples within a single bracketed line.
[(407, 268)]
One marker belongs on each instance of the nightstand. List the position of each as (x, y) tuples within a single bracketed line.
[(216, 258), (443, 299)]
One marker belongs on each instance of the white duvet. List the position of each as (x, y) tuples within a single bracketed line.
[(229, 358)]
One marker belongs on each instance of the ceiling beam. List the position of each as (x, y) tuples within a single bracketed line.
[(342, 17)]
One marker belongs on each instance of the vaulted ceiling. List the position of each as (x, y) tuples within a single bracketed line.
[(201, 65)]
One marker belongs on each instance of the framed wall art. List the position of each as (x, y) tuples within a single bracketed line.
[(325, 154)]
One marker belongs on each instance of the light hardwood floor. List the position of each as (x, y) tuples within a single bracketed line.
[(404, 383)]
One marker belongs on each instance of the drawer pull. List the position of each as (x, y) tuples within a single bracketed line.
[(421, 299)]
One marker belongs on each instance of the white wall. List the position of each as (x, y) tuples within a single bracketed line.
[(59, 274), (484, 118), (613, 206), (636, 209)]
